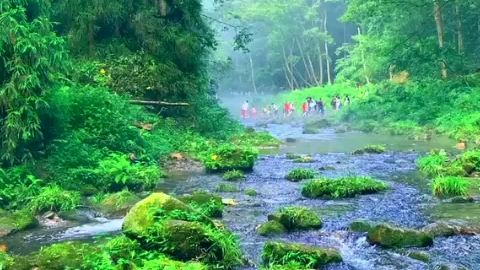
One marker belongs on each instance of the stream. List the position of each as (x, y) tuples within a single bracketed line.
[(406, 204)]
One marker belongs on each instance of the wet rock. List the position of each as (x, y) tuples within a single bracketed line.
[(271, 227), (117, 204), (359, 226), (449, 267), (281, 253), (290, 140), (142, 215), (16, 221), (206, 203), (327, 168), (78, 216), (296, 218), (183, 165), (250, 192), (68, 255), (392, 237), (460, 199), (310, 130), (450, 228), (370, 149), (419, 256)]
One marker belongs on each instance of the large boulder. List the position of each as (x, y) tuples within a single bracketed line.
[(296, 218), (271, 227), (308, 256), (391, 237), (143, 215), (117, 204), (450, 228)]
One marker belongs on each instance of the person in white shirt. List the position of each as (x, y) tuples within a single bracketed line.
[(245, 109)]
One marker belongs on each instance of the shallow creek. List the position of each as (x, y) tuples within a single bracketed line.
[(407, 204)]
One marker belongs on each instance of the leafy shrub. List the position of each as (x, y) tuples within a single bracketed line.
[(254, 138), (17, 187), (54, 198), (349, 186), (233, 175), (226, 188), (449, 186), (229, 157), (250, 192), (298, 174)]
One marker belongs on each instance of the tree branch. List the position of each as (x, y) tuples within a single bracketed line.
[(164, 103)]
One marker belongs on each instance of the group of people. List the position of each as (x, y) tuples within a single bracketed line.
[(310, 106)]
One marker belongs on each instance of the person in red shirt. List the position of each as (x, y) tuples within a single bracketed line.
[(254, 112), (305, 108), (285, 109)]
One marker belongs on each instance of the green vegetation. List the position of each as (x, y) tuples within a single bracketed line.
[(208, 204), (233, 175), (250, 192), (297, 218), (305, 159), (299, 174), (281, 253), (345, 187), (438, 163), (226, 188), (271, 227), (370, 149), (292, 156), (449, 186), (359, 226), (116, 204)]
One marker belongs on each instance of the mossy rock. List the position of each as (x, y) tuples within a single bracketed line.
[(250, 192), (310, 130), (292, 156), (450, 228), (67, 255), (305, 159), (117, 204), (226, 188), (230, 157), (89, 190), (233, 175), (345, 187), (296, 218), (370, 149), (461, 199), (142, 215), (361, 226), (280, 253), (419, 256), (299, 174), (11, 222), (327, 168), (122, 248), (449, 267), (391, 237), (318, 124), (271, 227), (206, 203), (188, 240)]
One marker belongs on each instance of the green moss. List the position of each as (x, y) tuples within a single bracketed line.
[(391, 237), (166, 263), (296, 218), (419, 256), (250, 192), (67, 255), (6, 261), (370, 149), (271, 227), (233, 175), (349, 186), (359, 226), (305, 159), (226, 188), (229, 157), (122, 248), (143, 214), (292, 156), (117, 204), (281, 253), (16, 221), (299, 174), (208, 204), (254, 138)]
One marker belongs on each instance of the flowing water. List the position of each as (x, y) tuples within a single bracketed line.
[(404, 204)]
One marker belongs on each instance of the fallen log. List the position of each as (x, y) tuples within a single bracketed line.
[(164, 103), (143, 126)]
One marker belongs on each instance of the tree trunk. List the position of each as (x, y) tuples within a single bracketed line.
[(91, 38), (252, 71), (437, 10), (367, 79), (307, 68), (289, 69), (151, 102), (320, 63), (459, 26), (327, 56)]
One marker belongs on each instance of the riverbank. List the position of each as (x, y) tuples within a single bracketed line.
[(416, 109)]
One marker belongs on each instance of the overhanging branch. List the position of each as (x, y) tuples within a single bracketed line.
[(160, 103)]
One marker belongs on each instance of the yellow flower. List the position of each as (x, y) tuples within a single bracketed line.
[(102, 71), (214, 157)]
